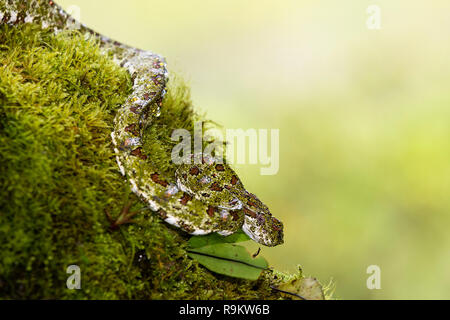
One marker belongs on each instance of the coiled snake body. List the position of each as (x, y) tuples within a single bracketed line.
[(204, 197)]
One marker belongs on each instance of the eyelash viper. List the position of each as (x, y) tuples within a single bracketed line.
[(203, 197)]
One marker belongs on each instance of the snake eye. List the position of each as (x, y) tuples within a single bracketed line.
[(261, 219)]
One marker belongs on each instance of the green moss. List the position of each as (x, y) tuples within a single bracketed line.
[(177, 113), (58, 174)]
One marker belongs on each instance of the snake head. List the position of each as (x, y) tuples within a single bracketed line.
[(259, 223)]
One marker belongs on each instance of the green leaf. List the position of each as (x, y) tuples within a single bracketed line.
[(214, 238), (230, 260)]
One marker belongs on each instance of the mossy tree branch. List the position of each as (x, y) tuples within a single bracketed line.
[(59, 178)]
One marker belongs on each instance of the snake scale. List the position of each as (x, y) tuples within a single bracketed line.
[(204, 196)]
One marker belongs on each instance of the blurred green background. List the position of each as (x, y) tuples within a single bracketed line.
[(364, 119)]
